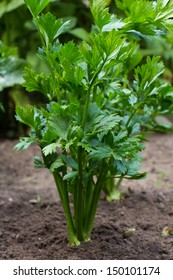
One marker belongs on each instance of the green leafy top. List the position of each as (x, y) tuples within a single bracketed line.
[(36, 6)]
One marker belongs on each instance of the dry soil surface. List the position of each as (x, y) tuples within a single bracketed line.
[(32, 223)]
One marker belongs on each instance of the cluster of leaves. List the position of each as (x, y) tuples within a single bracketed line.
[(11, 72), (153, 40), (17, 28), (18, 32), (89, 132)]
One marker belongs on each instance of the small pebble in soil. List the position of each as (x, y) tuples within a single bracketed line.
[(161, 197), (33, 201), (161, 206)]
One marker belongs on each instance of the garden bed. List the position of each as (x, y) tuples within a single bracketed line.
[(32, 224)]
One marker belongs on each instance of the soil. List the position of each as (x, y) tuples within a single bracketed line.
[(32, 222)]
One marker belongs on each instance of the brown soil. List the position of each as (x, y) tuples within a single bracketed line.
[(32, 222)]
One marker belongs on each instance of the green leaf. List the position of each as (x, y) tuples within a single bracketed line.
[(73, 74), (132, 99), (69, 144), (100, 152), (38, 82), (63, 110), (24, 143), (11, 71), (64, 28), (56, 164), (70, 176), (110, 43), (147, 74), (51, 28), (163, 121), (36, 6), (133, 10), (69, 162), (105, 123), (80, 33), (51, 148), (164, 10), (49, 136), (26, 115), (85, 146), (100, 121), (122, 134), (114, 24), (155, 15), (69, 53), (38, 163), (59, 126), (133, 166), (133, 58), (100, 13), (120, 166)]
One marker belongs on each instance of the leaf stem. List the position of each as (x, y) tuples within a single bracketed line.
[(79, 199), (73, 240), (130, 117), (95, 199), (87, 100), (64, 198), (112, 189)]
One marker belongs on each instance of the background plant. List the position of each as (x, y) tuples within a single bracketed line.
[(11, 71), (153, 42), (89, 131)]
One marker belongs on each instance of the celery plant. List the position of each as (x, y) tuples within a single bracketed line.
[(87, 132)]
